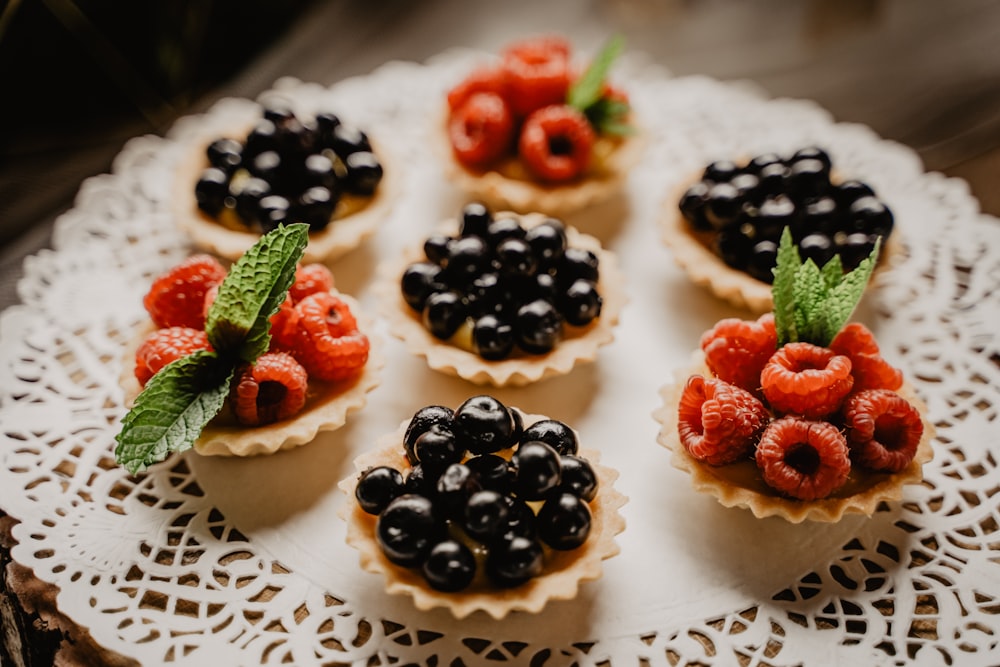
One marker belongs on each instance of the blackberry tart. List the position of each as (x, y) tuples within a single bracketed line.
[(503, 299), (724, 227), (270, 166), (482, 508)]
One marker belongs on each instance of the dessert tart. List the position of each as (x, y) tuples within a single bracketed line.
[(482, 508), (272, 167), (504, 299), (797, 414), (530, 134), (212, 370), (724, 227)]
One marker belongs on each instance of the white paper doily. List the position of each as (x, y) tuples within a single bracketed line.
[(216, 561)]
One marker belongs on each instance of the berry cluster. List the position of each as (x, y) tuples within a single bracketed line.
[(480, 491), (519, 107), (507, 285), (744, 209), (287, 170), (804, 413), (313, 335)]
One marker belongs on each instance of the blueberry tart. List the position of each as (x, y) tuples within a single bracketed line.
[(482, 508)]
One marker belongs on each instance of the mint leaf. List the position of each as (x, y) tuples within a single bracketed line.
[(810, 292), (172, 410), (586, 90), (833, 272), (782, 290), (607, 117), (844, 298), (237, 323)]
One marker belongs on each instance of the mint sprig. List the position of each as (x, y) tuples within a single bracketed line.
[(586, 94), (812, 304), (177, 403)]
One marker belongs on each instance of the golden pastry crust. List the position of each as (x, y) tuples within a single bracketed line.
[(692, 250), (355, 218), (327, 405), (580, 344), (741, 485), (564, 570)]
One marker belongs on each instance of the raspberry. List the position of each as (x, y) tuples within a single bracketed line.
[(869, 369), (481, 129), (271, 389), (556, 142), (537, 73), (717, 422), (737, 350), (177, 298), (883, 429), (327, 340), (164, 346), (284, 324), (807, 380), (803, 459), (309, 279), (210, 295), (483, 80)]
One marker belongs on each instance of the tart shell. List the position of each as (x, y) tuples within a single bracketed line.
[(580, 344), (741, 485), (564, 570)]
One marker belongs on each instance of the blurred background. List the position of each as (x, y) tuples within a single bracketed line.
[(80, 77)]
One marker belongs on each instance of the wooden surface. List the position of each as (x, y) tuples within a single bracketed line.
[(922, 72)]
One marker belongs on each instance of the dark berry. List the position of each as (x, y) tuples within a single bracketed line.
[(773, 178), (443, 313), (315, 207), (420, 423), (486, 514), (418, 483), (377, 487), (454, 487), (547, 240), (326, 122), (407, 529), (493, 472), (763, 257), (450, 566), (581, 303), (808, 178), (854, 248), (817, 247), (544, 286), (870, 215), (720, 171), (819, 215), (848, 192), (419, 281), (774, 214), (520, 521), (272, 211), (225, 154), (724, 205), (486, 295), (578, 478), (484, 425), (248, 199), (564, 522), (515, 257), (278, 114), (364, 172), (468, 257), (436, 248), (211, 190), (492, 338), (538, 327), (763, 160), (347, 139), (267, 165), (437, 448), (813, 153), (735, 244), (317, 169), (555, 434), (502, 229), (537, 469), (512, 563), (693, 206), (475, 219), (748, 187), (263, 137), (577, 263)]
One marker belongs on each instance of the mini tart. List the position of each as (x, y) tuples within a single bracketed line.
[(508, 184), (355, 218), (692, 250), (564, 570), (326, 409), (580, 344), (740, 484)]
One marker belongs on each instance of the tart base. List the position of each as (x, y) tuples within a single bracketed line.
[(564, 570), (741, 484)]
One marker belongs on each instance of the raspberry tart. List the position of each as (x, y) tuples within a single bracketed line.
[(503, 299), (247, 361), (482, 508), (274, 167), (797, 414), (531, 134), (725, 227)]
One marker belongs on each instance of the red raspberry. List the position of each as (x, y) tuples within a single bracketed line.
[(537, 73), (309, 279), (271, 389), (481, 129), (807, 380), (556, 142), (177, 298), (717, 421), (164, 346), (869, 369), (736, 350), (327, 340), (483, 80), (210, 295), (803, 459), (883, 429), (284, 325)]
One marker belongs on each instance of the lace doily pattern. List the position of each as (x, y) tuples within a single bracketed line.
[(157, 570)]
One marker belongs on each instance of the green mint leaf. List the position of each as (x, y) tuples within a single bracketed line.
[(254, 289), (810, 292), (607, 116), (833, 272), (586, 90), (171, 411), (782, 290), (844, 297)]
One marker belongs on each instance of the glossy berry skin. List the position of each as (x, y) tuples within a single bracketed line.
[(578, 264), (538, 327), (564, 522), (538, 470), (437, 248), (485, 515), (450, 566), (211, 190), (419, 482), (548, 241), (492, 338), (693, 205), (437, 448), (520, 521), (555, 434), (476, 218), (512, 563), (444, 313), (377, 487), (484, 425), (720, 171), (419, 281), (407, 529), (580, 303), (454, 487), (556, 143), (577, 478), (420, 423), (515, 258), (364, 173), (225, 154), (493, 472), (348, 139), (468, 257), (817, 247)]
